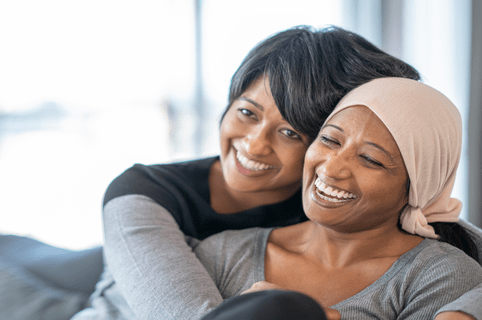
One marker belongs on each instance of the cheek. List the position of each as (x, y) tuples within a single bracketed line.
[(399, 186), (292, 160), (312, 157), (223, 138), (225, 125), (298, 165), (228, 127), (394, 194), (403, 191), (295, 156)]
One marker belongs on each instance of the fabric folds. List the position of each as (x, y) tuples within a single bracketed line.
[(431, 129)]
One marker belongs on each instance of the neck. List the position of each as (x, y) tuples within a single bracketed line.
[(335, 249)]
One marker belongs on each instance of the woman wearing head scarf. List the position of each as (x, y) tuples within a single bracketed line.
[(376, 189)]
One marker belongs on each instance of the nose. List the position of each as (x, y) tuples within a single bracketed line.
[(258, 142), (337, 166)]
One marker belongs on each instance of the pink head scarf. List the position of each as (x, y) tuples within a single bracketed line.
[(427, 128)]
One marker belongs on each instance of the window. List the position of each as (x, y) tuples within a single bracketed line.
[(89, 88)]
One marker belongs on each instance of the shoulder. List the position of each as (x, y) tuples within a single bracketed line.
[(433, 274), (442, 264), (192, 166), (148, 179), (162, 171), (436, 254), (435, 251), (422, 281)]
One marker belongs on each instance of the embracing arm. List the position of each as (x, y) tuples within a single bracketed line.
[(468, 304), (444, 281), (146, 252)]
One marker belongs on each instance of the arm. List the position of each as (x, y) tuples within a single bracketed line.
[(468, 304), (158, 273), (441, 282)]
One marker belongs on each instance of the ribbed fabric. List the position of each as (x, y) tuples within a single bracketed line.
[(415, 287), (427, 128), (148, 212)]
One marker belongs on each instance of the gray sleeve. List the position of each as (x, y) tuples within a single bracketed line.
[(470, 303), (157, 272), (234, 258), (444, 279)]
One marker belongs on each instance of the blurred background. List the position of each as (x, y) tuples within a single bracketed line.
[(88, 88)]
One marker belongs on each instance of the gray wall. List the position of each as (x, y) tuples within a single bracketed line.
[(475, 118)]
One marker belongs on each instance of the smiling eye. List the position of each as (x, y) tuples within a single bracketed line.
[(290, 134), (247, 113), (371, 161), (328, 142)]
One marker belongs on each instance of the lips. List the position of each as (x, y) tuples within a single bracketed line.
[(331, 193), (251, 165)]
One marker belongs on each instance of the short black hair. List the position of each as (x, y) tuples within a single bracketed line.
[(310, 70)]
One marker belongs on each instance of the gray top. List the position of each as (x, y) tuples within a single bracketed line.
[(165, 267), (415, 287), (471, 302), (153, 263), (147, 212)]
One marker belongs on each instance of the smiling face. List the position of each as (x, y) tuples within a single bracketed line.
[(260, 151), (354, 176)]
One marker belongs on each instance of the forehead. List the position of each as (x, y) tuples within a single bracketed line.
[(360, 122), (357, 118), (357, 113), (259, 87)]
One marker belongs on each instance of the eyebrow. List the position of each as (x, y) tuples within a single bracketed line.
[(332, 125), (254, 103)]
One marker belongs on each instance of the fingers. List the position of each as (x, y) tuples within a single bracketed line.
[(332, 314), (453, 315)]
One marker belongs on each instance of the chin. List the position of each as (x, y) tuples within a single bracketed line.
[(243, 186)]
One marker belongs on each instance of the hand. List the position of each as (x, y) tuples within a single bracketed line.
[(454, 315), (263, 286), (331, 314)]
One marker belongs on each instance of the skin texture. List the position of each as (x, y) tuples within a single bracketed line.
[(254, 128), (349, 245), (356, 153), (454, 315)]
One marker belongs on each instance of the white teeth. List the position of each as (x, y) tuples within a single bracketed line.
[(341, 195), (330, 199), (250, 164)]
